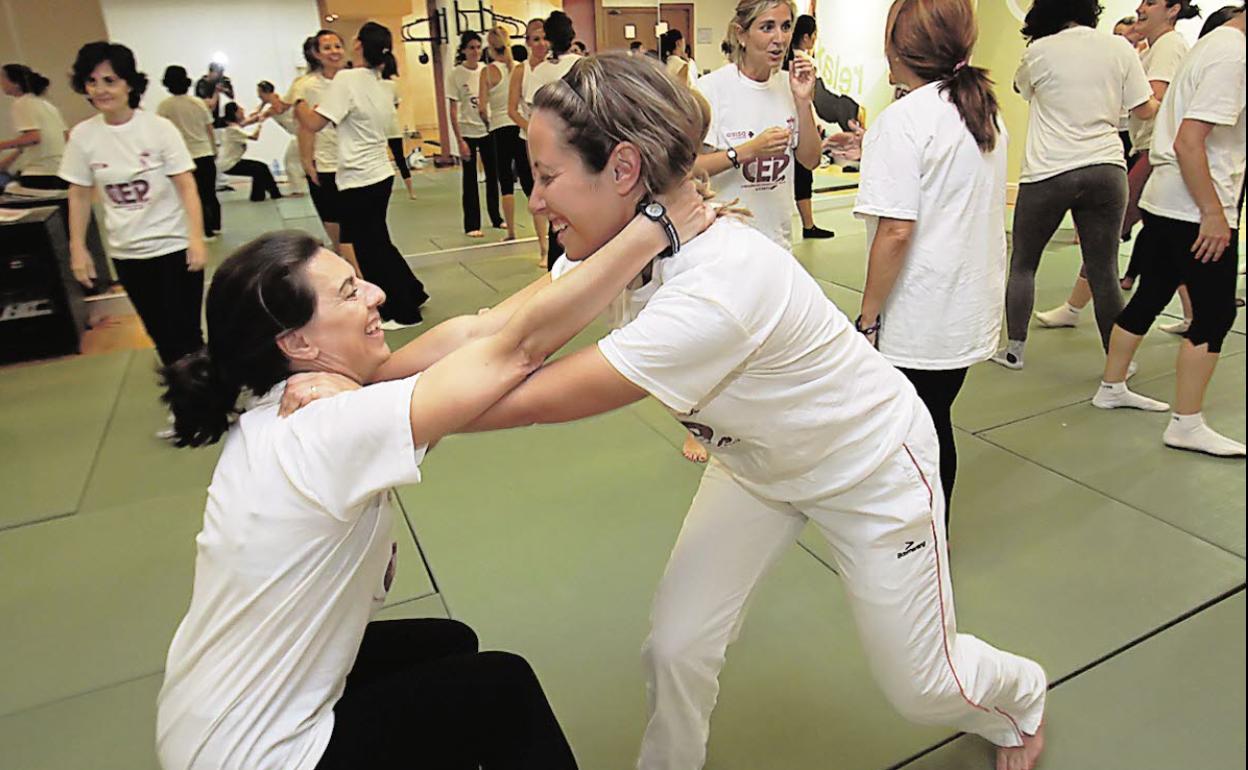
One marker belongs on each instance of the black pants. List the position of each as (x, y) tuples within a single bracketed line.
[(938, 390), (364, 225), (400, 160), (421, 696), (168, 299), (206, 184), (1211, 285), (554, 249), (484, 147), (803, 182), (512, 155), (261, 179), (42, 182)]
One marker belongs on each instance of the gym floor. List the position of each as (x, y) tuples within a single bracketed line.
[(1077, 540)]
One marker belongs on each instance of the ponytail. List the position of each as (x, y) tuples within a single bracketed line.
[(203, 403), (970, 90), (375, 43), (389, 66), (25, 78)]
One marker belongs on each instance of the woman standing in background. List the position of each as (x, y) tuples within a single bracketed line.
[(519, 111), (394, 132), (804, 34), (41, 133), (463, 88), (504, 133)]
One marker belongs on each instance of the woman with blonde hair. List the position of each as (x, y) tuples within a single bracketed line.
[(519, 111), (504, 133), (808, 421)]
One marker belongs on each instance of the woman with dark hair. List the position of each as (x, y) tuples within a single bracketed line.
[(318, 150), (1191, 208), (805, 33), (933, 194), (559, 59), (672, 53), (1161, 59), (394, 132), (234, 146), (362, 109), (41, 133), (282, 113), (190, 115), (278, 664), (519, 110), (140, 167), (1078, 81), (463, 88), (504, 133)]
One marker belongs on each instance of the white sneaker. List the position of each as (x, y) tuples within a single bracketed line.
[(1059, 317), (394, 326), (1114, 395), (211, 238), (1178, 327), (1191, 433), (1007, 359)]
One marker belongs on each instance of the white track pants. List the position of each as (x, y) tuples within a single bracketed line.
[(294, 169), (888, 537)]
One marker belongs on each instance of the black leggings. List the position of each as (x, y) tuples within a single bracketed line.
[(1096, 196), (206, 185), (168, 299), (400, 160), (1211, 285), (513, 160), (42, 182), (421, 695), (364, 225), (938, 390), (803, 182), (261, 178), (483, 146)]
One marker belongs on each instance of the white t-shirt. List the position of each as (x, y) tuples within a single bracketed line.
[(1161, 63), (233, 147), (393, 130), (34, 113), (920, 163), (742, 108), (500, 92), (1078, 81), (463, 86), (311, 89), (739, 342), (130, 165), (289, 569), (287, 120), (191, 117), (545, 72), (1208, 88), (525, 106), (362, 108)]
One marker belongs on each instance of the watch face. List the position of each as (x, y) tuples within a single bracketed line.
[(654, 210)]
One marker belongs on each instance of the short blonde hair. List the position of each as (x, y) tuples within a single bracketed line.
[(500, 36), (665, 120), (746, 14)]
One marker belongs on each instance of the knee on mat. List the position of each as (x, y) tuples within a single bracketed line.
[(926, 705)]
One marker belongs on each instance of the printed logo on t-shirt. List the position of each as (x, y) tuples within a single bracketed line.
[(706, 435), (733, 136), (131, 195), (766, 172)]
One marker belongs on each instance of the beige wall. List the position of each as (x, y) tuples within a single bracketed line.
[(712, 15), (45, 35)]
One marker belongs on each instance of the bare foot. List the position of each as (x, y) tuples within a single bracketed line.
[(1022, 757), (509, 237), (475, 234), (1127, 282), (693, 451)]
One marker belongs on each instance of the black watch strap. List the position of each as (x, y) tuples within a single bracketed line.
[(657, 212), (732, 157)]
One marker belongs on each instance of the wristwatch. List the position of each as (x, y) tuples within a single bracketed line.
[(656, 212), (732, 157)]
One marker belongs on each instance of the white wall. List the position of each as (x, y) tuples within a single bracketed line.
[(262, 39)]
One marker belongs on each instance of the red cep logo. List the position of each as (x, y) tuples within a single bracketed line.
[(128, 193), (766, 170)]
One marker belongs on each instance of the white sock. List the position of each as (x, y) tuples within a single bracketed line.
[(1063, 315), (1189, 431), (1114, 395), (1011, 356)]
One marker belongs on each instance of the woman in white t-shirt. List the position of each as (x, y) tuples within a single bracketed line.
[(559, 38), (278, 664), (1191, 208), (1078, 81), (234, 146), (933, 194), (463, 89), (282, 113), (1161, 59), (754, 97), (504, 133), (362, 108), (318, 150), (519, 111), (190, 115), (139, 166), (805, 33), (807, 420), (35, 153), (394, 132)]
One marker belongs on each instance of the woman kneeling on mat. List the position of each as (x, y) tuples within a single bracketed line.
[(807, 421), (276, 665)]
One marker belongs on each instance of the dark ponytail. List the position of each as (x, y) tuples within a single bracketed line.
[(934, 39), (1187, 9), (389, 66), (559, 33), (310, 49), (375, 43), (25, 78), (256, 295)]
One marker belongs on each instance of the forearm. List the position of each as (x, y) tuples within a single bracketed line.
[(79, 215), (24, 139), (307, 144), (1194, 166), (513, 98), (809, 145), (884, 264), (185, 185), (430, 347), (714, 162)]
